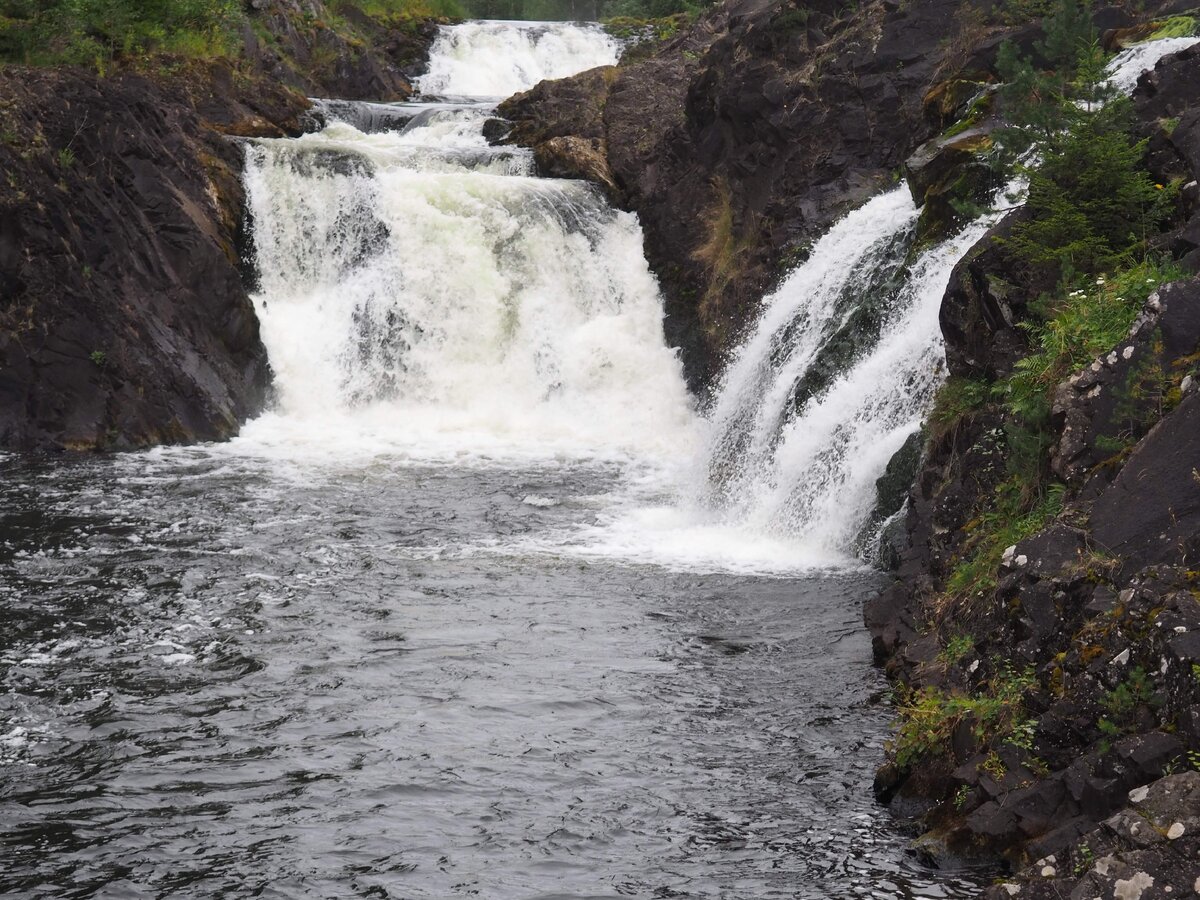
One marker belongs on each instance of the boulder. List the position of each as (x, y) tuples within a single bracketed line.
[(949, 177), (576, 157), (988, 294), (1151, 512)]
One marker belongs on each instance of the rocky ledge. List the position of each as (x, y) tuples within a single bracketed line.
[(1053, 711)]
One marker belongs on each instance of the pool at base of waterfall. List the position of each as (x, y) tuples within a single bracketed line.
[(483, 606), (234, 671)]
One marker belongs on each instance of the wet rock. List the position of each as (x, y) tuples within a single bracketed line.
[(988, 294), (1117, 39), (948, 176), (575, 157), (891, 488), (893, 538), (947, 101), (496, 130), (890, 621)]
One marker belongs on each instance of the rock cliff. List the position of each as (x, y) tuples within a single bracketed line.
[(740, 141), (124, 315), (1093, 622)]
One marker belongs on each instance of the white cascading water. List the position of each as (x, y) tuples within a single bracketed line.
[(425, 286), (497, 59), (423, 295), (805, 469), (1127, 67)]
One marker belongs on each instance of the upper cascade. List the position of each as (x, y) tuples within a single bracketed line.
[(1130, 64), (493, 60)]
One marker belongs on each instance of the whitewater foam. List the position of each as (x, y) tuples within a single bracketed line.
[(814, 405), (454, 311), (1127, 67), (490, 59)]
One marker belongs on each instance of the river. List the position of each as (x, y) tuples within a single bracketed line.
[(484, 605)]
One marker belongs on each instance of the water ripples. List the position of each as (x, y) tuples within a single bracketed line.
[(220, 680)]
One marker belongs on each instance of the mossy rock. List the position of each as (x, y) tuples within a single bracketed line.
[(891, 488), (949, 177), (948, 101)]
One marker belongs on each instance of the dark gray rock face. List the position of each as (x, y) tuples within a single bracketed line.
[(1107, 408), (948, 171), (1098, 610), (1168, 106), (123, 318), (1149, 850), (741, 141), (1151, 512)]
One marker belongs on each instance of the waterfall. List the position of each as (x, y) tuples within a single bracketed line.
[(423, 294), (1127, 67), (421, 284), (497, 59), (841, 368), (838, 372)]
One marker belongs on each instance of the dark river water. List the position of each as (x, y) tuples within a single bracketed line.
[(231, 677)]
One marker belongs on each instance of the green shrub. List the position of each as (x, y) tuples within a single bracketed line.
[(957, 649), (1092, 204), (928, 718), (956, 400), (1136, 690), (1090, 201), (1020, 508), (401, 12), (1086, 318), (94, 31)]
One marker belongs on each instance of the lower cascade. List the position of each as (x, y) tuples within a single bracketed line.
[(837, 375)]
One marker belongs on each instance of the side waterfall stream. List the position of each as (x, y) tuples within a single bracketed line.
[(483, 606)]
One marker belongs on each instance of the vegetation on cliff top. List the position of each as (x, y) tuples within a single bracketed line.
[(583, 10), (1091, 209), (96, 32)]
